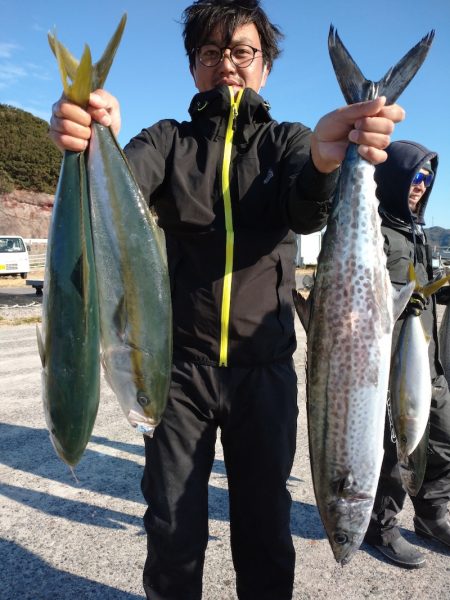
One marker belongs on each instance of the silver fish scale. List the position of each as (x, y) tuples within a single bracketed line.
[(348, 352), (133, 283), (410, 387)]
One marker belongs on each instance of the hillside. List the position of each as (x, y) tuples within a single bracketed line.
[(28, 159), (29, 171), (438, 236)]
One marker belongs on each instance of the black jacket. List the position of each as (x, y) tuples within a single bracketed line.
[(228, 230), (405, 240)]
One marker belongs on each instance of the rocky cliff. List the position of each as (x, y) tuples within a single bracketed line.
[(25, 213), (28, 214)]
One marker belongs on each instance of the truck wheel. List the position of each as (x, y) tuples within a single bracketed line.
[(24, 275)]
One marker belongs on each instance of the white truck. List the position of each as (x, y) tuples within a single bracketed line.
[(14, 259)]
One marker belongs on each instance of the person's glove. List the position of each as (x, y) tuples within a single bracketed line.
[(416, 304), (443, 295)]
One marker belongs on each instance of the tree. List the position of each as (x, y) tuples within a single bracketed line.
[(28, 159)]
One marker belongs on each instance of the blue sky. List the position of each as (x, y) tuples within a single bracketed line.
[(151, 79)]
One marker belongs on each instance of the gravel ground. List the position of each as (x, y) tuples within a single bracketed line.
[(74, 539)]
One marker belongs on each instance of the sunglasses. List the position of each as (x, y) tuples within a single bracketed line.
[(419, 177)]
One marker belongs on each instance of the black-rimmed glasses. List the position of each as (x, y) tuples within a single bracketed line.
[(241, 55)]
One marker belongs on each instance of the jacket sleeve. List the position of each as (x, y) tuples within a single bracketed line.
[(146, 155), (308, 193)]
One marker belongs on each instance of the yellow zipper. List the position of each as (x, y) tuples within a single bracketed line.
[(229, 250)]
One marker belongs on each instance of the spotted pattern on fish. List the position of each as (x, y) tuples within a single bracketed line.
[(348, 357), (350, 321)]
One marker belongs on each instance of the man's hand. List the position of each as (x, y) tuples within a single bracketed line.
[(416, 304), (368, 124), (70, 125)]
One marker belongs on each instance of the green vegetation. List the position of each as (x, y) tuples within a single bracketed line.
[(28, 159)]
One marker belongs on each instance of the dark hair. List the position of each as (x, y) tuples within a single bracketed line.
[(203, 16)]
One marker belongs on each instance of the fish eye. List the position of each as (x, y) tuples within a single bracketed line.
[(340, 538), (142, 400)]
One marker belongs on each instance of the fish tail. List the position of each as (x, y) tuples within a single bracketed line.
[(434, 286), (85, 76), (352, 82), (412, 273), (70, 62), (102, 67), (356, 88), (430, 288), (78, 91), (398, 77)]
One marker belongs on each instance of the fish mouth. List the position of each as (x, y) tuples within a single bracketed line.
[(343, 546), (141, 423)]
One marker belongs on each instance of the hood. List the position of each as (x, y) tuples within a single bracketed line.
[(395, 175)]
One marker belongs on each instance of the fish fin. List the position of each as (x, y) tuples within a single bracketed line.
[(41, 346), (104, 364), (102, 67), (356, 88), (400, 298), (70, 62), (303, 308), (81, 87), (398, 77), (76, 276), (120, 318), (343, 483)]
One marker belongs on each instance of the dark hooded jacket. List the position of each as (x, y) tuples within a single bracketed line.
[(404, 238), (228, 223)]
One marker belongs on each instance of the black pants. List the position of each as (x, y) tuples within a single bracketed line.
[(256, 411), (434, 495)]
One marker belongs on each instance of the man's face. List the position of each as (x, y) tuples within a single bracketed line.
[(226, 72), (416, 191)]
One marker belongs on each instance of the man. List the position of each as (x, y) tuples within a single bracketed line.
[(230, 187), (404, 183)]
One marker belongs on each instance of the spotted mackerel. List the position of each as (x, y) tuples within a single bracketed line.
[(349, 318)]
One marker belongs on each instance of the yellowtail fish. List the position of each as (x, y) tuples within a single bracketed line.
[(410, 391), (132, 273), (133, 282), (69, 344)]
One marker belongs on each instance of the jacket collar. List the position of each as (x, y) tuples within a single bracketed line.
[(208, 106), (413, 227)]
